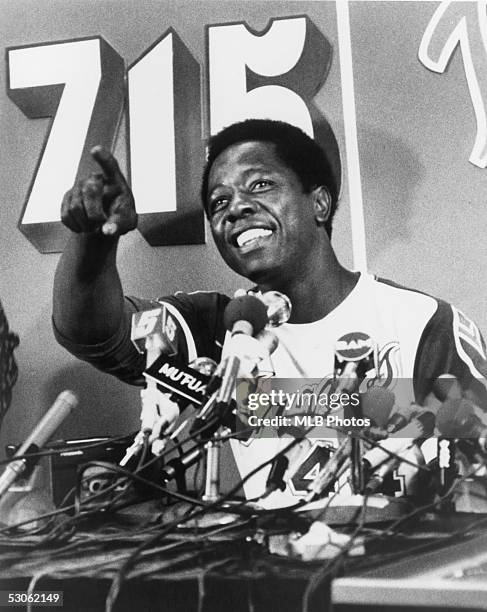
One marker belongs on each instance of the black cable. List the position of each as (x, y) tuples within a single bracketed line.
[(219, 502), (104, 491), (110, 504), (130, 560), (462, 531), (58, 451), (152, 552), (149, 483), (52, 514), (322, 514), (142, 480), (169, 527), (210, 423), (332, 564), (389, 531), (321, 575), (430, 505), (373, 443)]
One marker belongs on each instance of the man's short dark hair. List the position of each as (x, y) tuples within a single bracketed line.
[(296, 149)]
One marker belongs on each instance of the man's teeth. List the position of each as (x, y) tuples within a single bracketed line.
[(252, 234)]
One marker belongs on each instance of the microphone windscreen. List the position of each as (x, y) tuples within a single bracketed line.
[(455, 418), (377, 404), (447, 387), (278, 307), (52, 419), (427, 420), (245, 308)]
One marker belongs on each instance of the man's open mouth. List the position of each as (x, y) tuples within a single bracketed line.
[(251, 236)]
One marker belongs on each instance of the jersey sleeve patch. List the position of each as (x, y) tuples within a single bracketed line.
[(175, 321), (469, 343)]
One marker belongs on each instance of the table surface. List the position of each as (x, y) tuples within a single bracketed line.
[(229, 570)]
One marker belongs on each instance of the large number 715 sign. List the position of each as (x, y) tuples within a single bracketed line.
[(83, 86)]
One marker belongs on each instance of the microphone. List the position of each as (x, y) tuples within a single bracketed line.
[(356, 354), (176, 468), (267, 342), (244, 317), (427, 419), (348, 380), (64, 403), (376, 479), (285, 466), (161, 409), (419, 427), (378, 463), (278, 307), (401, 417), (259, 364), (456, 418), (154, 332), (377, 404), (254, 355), (447, 387), (339, 460)]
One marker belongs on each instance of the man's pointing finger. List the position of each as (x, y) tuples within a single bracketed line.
[(108, 164)]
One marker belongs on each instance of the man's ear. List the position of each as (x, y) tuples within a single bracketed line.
[(321, 204)]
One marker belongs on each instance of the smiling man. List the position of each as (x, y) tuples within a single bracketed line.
[(270, 195)]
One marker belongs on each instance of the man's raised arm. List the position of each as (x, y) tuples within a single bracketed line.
[(88, 298)]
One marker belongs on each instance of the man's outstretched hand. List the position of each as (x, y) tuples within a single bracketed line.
[(101, 203)]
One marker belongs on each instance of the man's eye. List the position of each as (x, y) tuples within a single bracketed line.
[(261, 184), (218, 204)]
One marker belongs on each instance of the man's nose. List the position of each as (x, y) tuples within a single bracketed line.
[(242, 204)]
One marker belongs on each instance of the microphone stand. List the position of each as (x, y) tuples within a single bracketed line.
[(357, 469), (348, 376), (213, 408), (153, 347), (213, 453), (356, 455), (212, 480)]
